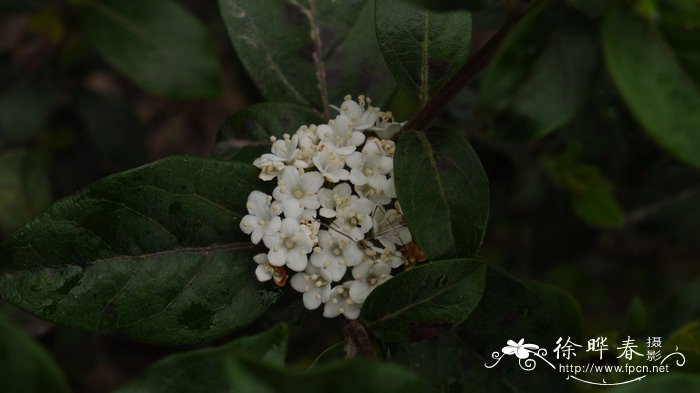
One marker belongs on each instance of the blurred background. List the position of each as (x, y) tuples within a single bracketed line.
[(595, 208)]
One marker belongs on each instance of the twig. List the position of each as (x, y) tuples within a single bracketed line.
[(469, 70)]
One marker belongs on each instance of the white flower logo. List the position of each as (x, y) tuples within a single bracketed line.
[(522, 351)]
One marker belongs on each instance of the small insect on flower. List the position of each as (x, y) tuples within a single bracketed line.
[(412, 254)]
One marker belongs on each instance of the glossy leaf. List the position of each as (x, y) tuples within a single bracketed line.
[(157, 44), (204, 370), (443, 192), (423, 48), (657, 77), (355, 376), (152, 254), (24, 365), (24, 188), (309, 52), (541, 75), (511, 310), (257, 123), (424, 301)]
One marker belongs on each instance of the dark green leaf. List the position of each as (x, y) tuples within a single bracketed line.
[(24, 365), (158, 44), (662, 383), (440, 361), (352, 377), (334, 353), (598, 207), (592, 8), (423, 48), (685, 340), (424, 301), (541, 75), (636, 317), (682, 309), (309, 52), (24, 188), (152, 254), (510, 310), (257, 123), (446, 5), (204, 370), (443, 191), (25, 102), (660, 88)]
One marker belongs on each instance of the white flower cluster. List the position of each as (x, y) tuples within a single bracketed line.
[(333, 218)]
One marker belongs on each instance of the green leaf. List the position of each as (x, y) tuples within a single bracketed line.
[(443, 191), (424, 301), (204, 370), (309, 52), (657, 77), (598, 207), (152, 254), (678, 311), (685, 340), (662, 383), (636, 317), (24, 188), (510, 310), (24, 365), (423, 48), (258, 123), (541, 75), (447, 5), (247, 375), (439, 361), (157, 44), (334, 353)]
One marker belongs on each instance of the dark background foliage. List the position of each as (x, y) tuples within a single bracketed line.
[(588, 191)]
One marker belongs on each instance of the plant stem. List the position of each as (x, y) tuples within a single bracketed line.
[(469, 70)]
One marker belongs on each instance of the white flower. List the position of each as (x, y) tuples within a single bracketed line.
[(287, 148), (335, 254), (379, 189), (270, 165), (340, 303), (390, 228), (361, 118), (308, 136), (386, 127), (298, 191), (355, 219), (368, 275), (265, 271), (330, 164), (290, 245), (314, 284), (340, 136), (262, 217), (337, 198), (371, 163)]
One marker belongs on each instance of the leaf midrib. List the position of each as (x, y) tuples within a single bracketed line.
[(395, 314)]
